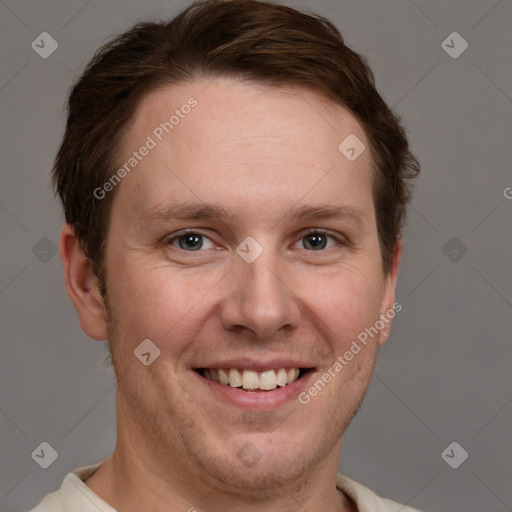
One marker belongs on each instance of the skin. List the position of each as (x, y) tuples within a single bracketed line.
[(259, 152)]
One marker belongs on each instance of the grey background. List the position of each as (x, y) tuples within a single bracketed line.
[(443, 376)]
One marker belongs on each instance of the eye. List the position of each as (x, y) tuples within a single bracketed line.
[(190, 241), (318, 240)]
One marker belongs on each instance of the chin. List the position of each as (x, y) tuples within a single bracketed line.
[(262, 465), (265, 480)]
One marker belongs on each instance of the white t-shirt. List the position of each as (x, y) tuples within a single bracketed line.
[(75, 496)]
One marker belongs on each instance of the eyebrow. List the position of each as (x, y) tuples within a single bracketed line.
[(198, 211)]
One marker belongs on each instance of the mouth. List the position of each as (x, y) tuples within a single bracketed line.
[(254, 381)]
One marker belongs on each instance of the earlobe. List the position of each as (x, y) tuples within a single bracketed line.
[(388, 308), (82, 285)]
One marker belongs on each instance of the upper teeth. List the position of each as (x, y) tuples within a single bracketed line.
[(249, 379)]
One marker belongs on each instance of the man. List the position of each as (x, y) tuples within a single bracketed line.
[(234, 189)]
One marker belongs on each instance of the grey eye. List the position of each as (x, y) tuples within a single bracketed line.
[(191, 242), (316, 241)]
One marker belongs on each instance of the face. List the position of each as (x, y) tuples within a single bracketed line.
[(244, 239)]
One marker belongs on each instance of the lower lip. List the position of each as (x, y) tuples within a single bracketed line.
[(257, 400)]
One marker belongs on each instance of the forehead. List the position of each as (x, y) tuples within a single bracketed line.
[(238, 109), (241, 142)]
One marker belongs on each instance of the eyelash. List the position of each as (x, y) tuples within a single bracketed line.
[(169, 241)]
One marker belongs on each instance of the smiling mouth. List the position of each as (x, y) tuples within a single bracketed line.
[(249, 380)]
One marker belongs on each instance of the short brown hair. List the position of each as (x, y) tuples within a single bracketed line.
[(249, 40)]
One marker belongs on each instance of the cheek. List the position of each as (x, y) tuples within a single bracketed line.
[(345, 304), (154, 301)]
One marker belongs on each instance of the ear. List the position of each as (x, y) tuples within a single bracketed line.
[(388, 306), (82, 285)]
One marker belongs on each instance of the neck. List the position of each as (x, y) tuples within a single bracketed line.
[(140, 476)]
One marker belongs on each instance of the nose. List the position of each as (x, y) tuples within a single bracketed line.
[(260, 299)]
